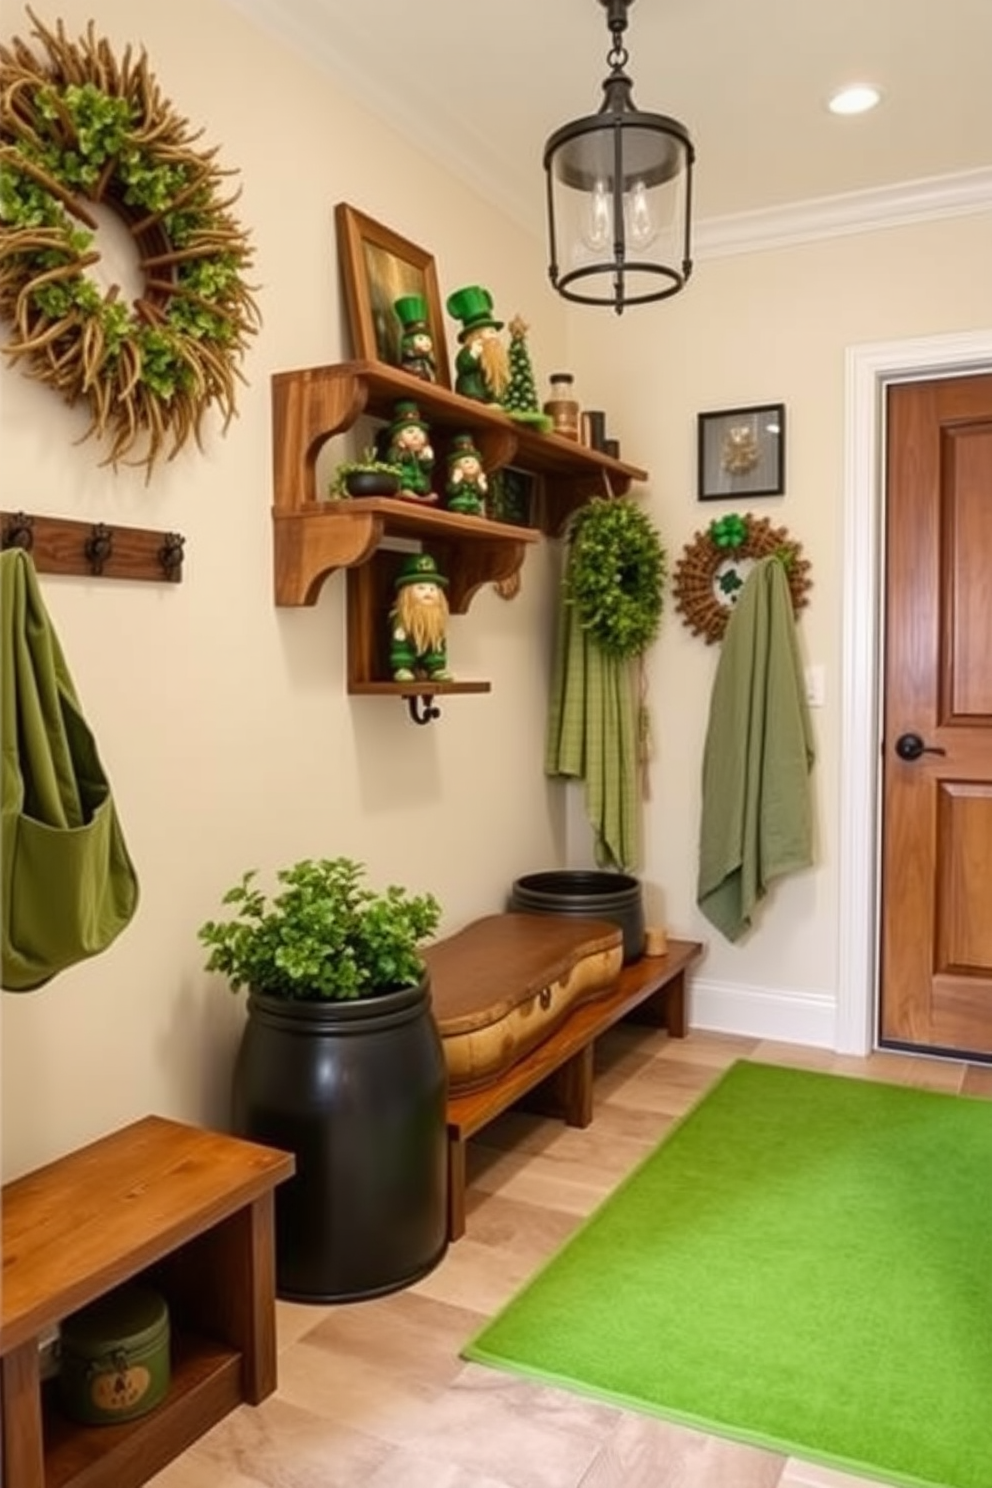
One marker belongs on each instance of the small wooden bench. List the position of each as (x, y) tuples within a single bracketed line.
[(557, 1076), (192, 1211)]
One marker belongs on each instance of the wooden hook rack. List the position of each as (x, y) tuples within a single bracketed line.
[(64, 545)]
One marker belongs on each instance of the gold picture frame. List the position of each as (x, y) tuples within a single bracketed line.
[(378, 267)]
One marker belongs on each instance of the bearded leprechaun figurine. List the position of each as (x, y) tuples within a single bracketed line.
[(419, 622), (482, 366)]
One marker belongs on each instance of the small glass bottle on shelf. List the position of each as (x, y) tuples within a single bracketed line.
[(562, 406)]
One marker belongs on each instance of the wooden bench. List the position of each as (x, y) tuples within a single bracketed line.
[(192, 1212), (557, 1076)]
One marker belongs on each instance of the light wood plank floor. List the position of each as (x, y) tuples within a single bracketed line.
[(374, 1394)]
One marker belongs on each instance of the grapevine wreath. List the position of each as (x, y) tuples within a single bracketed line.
[(80, 127), (615, 575), (708, 575)]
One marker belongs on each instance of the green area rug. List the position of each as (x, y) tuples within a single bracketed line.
[(804, 1264)]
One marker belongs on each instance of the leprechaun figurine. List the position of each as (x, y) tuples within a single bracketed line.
[(410, 450), (419, 622), (482, 368), (466, 485), (416, 341)]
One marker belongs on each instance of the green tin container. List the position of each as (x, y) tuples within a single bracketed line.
[(115, 1357)]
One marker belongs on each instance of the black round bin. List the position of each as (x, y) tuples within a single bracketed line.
[(590, 893)]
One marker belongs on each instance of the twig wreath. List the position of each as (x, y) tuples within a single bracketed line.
[(708, 576), (615, 575), (78, 126)]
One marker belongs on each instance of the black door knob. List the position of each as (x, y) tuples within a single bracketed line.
[(911, 746)]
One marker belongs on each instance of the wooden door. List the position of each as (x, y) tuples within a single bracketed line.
[(936, 892)]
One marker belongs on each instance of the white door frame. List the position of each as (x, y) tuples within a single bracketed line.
[(869, 368)]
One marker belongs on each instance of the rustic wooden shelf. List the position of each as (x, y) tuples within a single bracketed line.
[(312, 538), (311, 405)]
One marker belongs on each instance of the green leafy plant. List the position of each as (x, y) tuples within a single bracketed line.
[(324, 936), (368, 463)]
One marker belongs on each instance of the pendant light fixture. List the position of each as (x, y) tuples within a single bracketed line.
[(619, 195)]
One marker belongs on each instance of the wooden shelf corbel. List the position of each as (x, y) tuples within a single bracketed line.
[(66, 545)]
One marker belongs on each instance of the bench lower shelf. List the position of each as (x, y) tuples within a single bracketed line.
[(205, 1384), (557, 1076)]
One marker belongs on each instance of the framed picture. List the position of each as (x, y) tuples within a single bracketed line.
[(742, 452), (378, 267)]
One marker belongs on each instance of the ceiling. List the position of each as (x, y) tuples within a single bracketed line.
[(481, 85)]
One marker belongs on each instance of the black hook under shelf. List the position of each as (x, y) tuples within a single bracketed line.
[(422, 706)]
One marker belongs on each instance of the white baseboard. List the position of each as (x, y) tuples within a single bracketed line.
[(754, 1012)]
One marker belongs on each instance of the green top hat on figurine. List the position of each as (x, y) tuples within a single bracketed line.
[(419, 568), (406, 413), (412, 311), (473, 306)]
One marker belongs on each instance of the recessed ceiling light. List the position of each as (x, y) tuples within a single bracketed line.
[(854, 100)]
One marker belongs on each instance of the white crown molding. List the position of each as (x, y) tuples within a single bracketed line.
[(910, 202)]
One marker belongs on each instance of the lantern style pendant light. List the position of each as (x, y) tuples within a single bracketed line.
[(619, 195)]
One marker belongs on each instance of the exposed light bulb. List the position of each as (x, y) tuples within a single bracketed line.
[(598, 228), (638, 218)]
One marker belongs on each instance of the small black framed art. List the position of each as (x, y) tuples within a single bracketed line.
[(742, 452)]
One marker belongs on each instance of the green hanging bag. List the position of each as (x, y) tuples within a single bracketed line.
[(67, 884)]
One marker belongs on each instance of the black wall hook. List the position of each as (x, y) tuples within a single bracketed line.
[(18, 531), (423, 708), (99, 547), (170, 555)]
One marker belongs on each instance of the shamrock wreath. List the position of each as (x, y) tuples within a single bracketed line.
[(77, 127), (615, 575), (708, 575)]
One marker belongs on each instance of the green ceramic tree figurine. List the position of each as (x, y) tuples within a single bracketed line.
[(481, 366), (416, 341), (467, 485), (520, 400), (410, 450), (418, 622)]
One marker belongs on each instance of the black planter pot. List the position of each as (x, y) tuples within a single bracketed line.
[(371, 483), (357, 1091), (593, 894)]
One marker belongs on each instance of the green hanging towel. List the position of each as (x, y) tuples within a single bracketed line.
[(756, 822), (67, 885), (592, 735)]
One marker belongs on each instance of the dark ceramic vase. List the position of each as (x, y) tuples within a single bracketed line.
[(357, 1092), (593, 894)]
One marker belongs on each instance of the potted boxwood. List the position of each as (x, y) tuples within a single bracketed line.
[(367, 476), (341, 1063)]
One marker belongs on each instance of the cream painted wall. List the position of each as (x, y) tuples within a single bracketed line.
[(764, 327), (223, 722)]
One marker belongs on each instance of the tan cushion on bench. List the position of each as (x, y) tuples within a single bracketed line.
[(506, 982)]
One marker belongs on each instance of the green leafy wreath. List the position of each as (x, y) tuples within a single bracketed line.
[(615, 575), (78, 126)]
